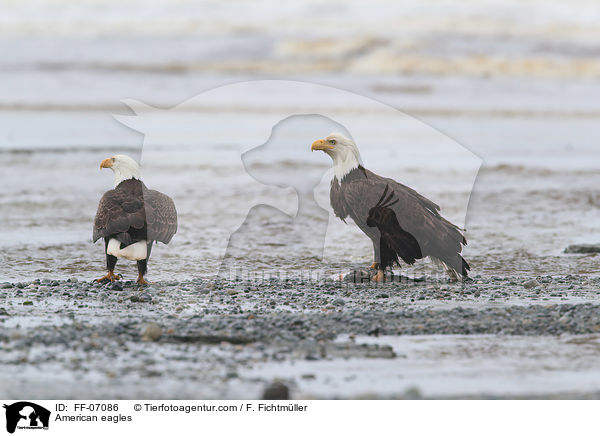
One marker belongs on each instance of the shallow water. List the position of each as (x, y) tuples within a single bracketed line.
[(446, 366)]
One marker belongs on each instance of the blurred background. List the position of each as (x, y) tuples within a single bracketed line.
[(515, 82)]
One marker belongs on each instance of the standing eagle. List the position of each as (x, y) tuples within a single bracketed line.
[(131, 217), (401, 223)]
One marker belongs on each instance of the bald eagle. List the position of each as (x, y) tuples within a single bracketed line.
[(401, 223), (131, 218)]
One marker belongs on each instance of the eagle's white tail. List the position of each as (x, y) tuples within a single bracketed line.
[(135, 251)]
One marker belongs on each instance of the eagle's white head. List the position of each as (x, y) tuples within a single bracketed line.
[(123, 166), (342, 150)]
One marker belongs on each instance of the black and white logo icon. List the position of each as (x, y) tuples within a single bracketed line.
[(26, 415)]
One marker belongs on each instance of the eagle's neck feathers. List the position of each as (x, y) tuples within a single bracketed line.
[(125, 173), (344, 163)]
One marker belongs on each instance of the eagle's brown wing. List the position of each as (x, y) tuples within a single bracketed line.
[(336, 198), (131, 212), (415, 214), (161, 216), (394, 241)]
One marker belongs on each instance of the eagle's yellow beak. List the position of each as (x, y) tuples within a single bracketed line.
[(106, 163), (321, 144)]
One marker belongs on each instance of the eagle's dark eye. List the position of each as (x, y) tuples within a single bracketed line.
[(332, 141)]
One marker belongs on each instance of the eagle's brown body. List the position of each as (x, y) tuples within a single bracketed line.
[(131, 213), (409, 227)]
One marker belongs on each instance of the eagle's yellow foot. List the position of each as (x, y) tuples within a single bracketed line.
[(379, 277), (374, 265), (142, 281), (110, 276)]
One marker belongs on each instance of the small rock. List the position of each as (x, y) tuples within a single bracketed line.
[(276, 391), (413, 393), (583, 249), (141, 298), (116, 286), (28, 303), (374, 332), (152, 333), (338, 302), (530, 284), (3, 312)]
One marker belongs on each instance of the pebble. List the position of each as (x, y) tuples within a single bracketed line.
[(141, 298), (530, 284), (276, 391), (338, 302), (583, 249), (152, 333)]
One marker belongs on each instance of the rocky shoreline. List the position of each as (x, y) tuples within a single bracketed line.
[(197, 338)]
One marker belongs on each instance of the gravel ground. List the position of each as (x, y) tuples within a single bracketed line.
[(202, 339)]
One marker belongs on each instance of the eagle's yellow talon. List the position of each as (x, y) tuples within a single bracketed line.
[(379, 277), (111, 276)]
